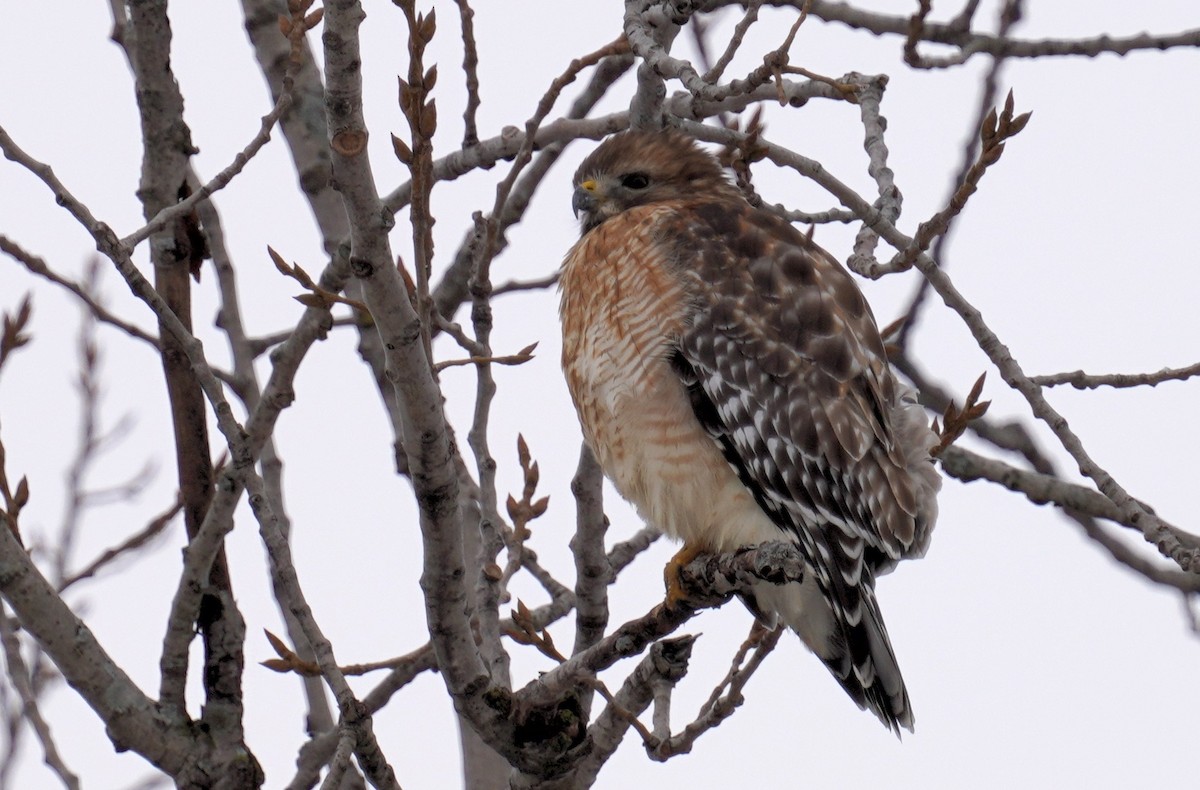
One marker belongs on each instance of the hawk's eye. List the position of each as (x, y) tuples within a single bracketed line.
[(635, 181)]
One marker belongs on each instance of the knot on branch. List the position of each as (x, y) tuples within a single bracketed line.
[(670, 657), (670, 12), (551, 737), (554, 729)]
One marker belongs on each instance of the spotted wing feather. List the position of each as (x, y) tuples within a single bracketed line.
[(786, 370)]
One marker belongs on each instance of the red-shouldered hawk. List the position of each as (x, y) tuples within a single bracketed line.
[(731, 381)]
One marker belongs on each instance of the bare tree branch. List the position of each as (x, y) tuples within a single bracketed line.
[(547, 734), (470, 71), (664, 665), (133, 542), (451, 291), (133, 720), (1084, 381), (988, 97), (18, 674), (1042, 489), (593, 573), (971, 43), (39, 267), (627, 551), (709, 581), (726, 697)]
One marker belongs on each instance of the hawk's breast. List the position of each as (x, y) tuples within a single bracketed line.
[(623, 308)]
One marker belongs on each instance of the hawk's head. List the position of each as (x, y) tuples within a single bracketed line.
[(636, 168)]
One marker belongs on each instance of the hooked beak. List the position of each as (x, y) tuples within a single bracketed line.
[(584, 199)]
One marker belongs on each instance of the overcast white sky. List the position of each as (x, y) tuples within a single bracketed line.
[(1032, 660)]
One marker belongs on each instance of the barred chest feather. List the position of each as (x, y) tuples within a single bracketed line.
[(623, 309)]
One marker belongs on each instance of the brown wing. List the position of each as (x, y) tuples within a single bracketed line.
[(786, 370), (785, 348)]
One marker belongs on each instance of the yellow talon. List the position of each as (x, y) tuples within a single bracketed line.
[(671, 574)]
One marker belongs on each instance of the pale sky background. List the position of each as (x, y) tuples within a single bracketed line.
[(1031, 658)]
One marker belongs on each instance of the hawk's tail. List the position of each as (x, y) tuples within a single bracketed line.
[(867, 669), (847, 633)]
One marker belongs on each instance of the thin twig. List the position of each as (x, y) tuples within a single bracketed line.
[(18, 675), (971, 43), (1086, 381), (525, 153), (453, 288), (39, 267), (709, 581), (537, 284), (519, 358), (870, 97), (420, 112), (340, 761), (136, 541), (470, 72), (298, 27), (317, 752), (593, 573), (1074, 500), (735, 41), (987, 100), (726, 697), (626, 551), (663, 667)]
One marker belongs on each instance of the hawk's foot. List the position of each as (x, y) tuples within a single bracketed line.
[(671, 574)]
